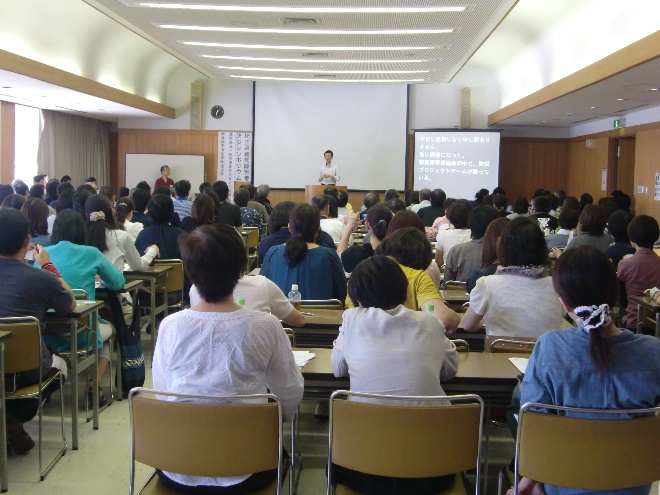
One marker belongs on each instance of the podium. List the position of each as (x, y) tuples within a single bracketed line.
[(316, 189)]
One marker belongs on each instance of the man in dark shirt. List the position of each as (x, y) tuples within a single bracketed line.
[(226, 213), (141, 199), (26, 291), (547, 222), (161, 233), (428, 214)]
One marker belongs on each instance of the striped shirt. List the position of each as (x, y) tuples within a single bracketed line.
[(182, 207)]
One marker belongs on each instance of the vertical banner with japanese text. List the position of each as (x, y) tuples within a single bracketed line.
[(234, 157)]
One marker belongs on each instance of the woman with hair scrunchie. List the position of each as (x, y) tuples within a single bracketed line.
[(595, 365), (377, 222)]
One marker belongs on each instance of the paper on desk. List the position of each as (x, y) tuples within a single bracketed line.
[(303, 357), (520, 363)]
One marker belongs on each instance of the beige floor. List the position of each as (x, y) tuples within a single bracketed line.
[(101, 465)]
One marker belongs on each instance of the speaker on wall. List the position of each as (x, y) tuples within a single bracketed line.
[(196, 93), (466, 108)]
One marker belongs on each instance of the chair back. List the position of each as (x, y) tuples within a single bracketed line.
[(461, 345), (521, 345), (252, 237), (204, 435), (23, 349), (405, 441), (291, 335), (174, 276), (455, 285), (607, 453), (322, 304), (80, 294)]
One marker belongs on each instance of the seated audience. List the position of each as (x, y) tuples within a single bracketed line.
[(617, 226), (20, 187), (441, 222), (226, 213), (428, 214), (36, 212), (160, 233), (331, 225), (249, 216), (457, 233), (123, 216), (141, 199), (585, 199), (411, 198), (379, 335), (278, 228), (592, 229), (80, 265), (13, 201), (489, 261), (109, 193), (640, 271), (202, 212), (595, 365), (424, 200), (51, 191), (464, 258), (37, 191), (396, 205), (520, 208), (167, 192), (115, 244), (253, 353), (541, 214), (370, 199), (79, 200), (343, 209), (315, 269), (123, 192), (254, 204), (391, 194), (412, 251), (553, 203), (518, 300), (26, 291), (263, 191), (182, 204), (568, 220), (377, 222), (501, 204), (5, 190)]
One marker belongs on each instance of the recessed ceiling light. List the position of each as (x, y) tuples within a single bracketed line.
[(653, 89), (350, 81), (593, 108), (570, 113), (325, 61), (300, 10), (232, 29), (620, 99), (311, 48), (309, 71)]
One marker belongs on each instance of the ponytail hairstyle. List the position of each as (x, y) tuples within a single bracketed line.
[(304, 223), (586, 281), (124, 207), (379, 218), (98, 217)]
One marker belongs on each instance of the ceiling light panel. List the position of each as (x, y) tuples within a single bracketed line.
[(442, 34)]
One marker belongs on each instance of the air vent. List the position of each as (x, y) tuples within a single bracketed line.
[(316, 55), (324, 76), (300, 21), (631, 108), (585, 120), (70, 109)]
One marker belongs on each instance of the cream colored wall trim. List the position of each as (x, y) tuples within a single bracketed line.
[(31, 68), (631, 56)]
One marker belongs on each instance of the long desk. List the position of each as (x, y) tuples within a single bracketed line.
[(4, 480), (154, 276), (490, 375), (83, 309), (321, 329), (646, 302)]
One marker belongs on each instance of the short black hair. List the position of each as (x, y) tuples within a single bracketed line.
[(143, 184), (617, 225), (458, 214), (643, 231), (66, 178), (438, 197), (38, 178), (480, 218), (107, 192), (141, 199), (214, 259), (378, 282), (320, 201), (568, 218), (203, 186), (182, 188), (90, 179), (342, 198), (51, 187), (163, 191), (522, 244), (68, 226), (409, 246), (329, 151), (5, 190), (37, 191), (391, 194), (520, 206), (123, 192), (14, 228), (14, 201), (160, 209), (20, 187), (586, 199), (221, 189), (279, 217), (500, 201), (499, 190), (541, 204), (370, 199), (593, 220), (396, 205), (63, 186), (331, 190)]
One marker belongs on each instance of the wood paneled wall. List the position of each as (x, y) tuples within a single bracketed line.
[(647, 164), (7, 141), (527, 164), (170, 142), (586, 165)]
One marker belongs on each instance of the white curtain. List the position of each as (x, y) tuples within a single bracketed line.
[(75, 146)]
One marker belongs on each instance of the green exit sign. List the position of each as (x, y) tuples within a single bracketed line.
[(619, 123)]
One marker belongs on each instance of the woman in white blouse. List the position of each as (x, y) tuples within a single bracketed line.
[(115, 244), (124, 214), (217, 347), (386, 348)]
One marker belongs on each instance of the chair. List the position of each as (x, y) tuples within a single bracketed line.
[(175, 283), (23, 353), (620, 453), (322, 304), (461, 345), (405, 441), (291, 335), (455, 285), (521, 345), (205, 438), (251, 243)]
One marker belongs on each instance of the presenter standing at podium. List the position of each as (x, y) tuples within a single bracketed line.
[(329, 172)]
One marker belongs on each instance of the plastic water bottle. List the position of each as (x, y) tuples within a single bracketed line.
[(429, 308), (295, 297), (240, 301)]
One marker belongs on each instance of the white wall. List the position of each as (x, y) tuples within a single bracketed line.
[(634, 118)]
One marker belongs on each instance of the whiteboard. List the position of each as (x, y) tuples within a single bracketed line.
[(143, 166)]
